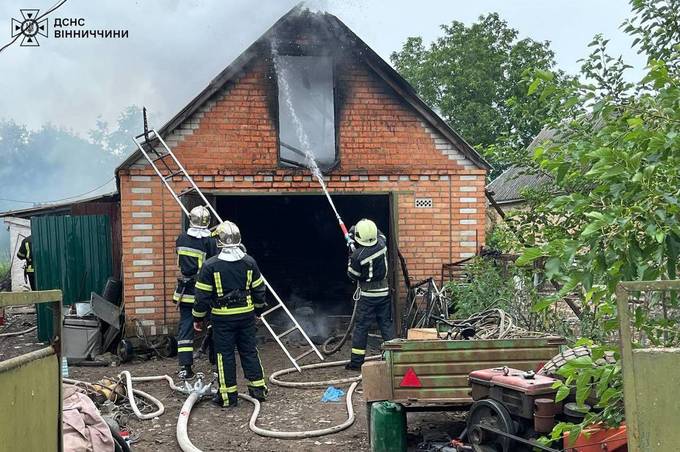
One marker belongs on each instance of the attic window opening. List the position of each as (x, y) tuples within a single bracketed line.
[(306, 110)]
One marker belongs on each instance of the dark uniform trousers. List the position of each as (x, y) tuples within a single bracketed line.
[(230, 334), (369, 309), (185, 335)]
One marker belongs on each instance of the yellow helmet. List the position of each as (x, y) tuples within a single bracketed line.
[(366, 232)]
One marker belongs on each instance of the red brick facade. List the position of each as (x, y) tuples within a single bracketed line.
[(230, 145)]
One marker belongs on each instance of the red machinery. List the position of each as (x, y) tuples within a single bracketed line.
[(513, 408)]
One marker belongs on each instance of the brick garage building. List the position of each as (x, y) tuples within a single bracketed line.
[(385, 155)]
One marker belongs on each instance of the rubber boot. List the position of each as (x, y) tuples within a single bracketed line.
[(259, 393), (186, 373), (231, 402)]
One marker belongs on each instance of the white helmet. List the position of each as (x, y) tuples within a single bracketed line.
[(228, 235), (199, 217)]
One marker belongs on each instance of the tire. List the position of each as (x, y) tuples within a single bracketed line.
[(551, 367)]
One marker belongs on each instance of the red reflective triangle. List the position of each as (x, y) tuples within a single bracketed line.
[(410, 380)]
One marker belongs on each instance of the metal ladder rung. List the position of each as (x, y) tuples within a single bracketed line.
[(160, 157), (287, 332), (272, 309), (186, 192), (176, 173), (308, 352)]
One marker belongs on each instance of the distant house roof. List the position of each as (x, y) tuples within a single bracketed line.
[(507, 188), (58, 208), (343, 34)]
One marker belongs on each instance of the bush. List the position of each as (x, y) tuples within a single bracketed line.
[(485, 288)]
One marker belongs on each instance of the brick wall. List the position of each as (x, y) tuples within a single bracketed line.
[(230, 145)]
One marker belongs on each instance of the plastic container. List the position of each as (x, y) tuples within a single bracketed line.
[(388, 427), (83, 309), (82, 337)]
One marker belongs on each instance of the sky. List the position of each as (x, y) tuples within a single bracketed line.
[(175, 48)]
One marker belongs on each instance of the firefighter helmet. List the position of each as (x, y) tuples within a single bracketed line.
[(228, 235), (366, 232), (199, 217)]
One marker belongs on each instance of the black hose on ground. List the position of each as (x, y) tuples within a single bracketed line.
[(348, 332)]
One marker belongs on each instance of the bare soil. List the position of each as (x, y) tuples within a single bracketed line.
[(18, 320), (225, 429)]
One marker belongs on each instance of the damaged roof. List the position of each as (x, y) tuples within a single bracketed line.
[(360, 48)]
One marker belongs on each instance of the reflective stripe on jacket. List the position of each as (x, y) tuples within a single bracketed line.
[(369, 266), (218, 278)]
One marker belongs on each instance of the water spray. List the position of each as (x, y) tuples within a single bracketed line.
[(317, 173), (303, 139)]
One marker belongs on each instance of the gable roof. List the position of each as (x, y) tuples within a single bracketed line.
[(362, 50)]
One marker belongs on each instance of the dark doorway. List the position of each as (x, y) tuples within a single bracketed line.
[(299, 246)]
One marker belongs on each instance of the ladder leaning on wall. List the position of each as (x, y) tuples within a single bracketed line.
[(171, 168)]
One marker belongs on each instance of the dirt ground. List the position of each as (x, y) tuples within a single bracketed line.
[(17, 319), (215, 429)]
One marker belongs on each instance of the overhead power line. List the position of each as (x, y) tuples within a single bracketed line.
[(52, 201)]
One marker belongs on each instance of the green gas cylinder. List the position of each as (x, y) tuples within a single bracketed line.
[(388, 427)]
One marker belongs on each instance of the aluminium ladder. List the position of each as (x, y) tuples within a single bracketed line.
[(173, 168)]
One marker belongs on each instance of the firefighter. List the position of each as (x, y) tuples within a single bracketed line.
[(231, 288), (368, 267), (194, 247), (25, 253)]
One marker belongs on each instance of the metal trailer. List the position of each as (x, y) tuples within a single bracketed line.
[(432, 375)]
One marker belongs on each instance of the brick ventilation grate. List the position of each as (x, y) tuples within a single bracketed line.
[(423, 203)]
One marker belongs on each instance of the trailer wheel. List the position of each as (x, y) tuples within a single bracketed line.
[(551, 367)]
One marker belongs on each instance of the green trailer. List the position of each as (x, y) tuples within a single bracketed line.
[(432, 375)]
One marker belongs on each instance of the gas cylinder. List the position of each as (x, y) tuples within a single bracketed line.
[(388, 427)]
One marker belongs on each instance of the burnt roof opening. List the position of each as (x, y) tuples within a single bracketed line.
[(298, 246)]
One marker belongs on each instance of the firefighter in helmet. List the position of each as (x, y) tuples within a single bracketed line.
[(194, 247), (231, 288), (368, 267)]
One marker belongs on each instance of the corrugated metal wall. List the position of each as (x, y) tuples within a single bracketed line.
[(71, 253)]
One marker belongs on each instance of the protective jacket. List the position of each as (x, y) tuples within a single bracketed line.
[(229, 288), (192, 251), (25, 253), (368, 265)]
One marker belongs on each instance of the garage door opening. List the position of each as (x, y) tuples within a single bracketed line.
[(300, 249)]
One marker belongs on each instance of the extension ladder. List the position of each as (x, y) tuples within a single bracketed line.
[(173, 168)]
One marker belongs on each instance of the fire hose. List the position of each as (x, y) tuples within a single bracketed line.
[(199, 390)]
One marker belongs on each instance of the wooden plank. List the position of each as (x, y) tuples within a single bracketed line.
[(422, 333), (32, 297), (376, 381)]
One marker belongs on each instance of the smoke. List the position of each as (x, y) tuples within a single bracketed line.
[(52, 163)]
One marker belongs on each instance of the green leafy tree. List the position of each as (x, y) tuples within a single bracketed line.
[(476, 77), (613, 213)]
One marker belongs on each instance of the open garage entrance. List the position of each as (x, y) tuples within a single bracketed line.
[(299, 247)]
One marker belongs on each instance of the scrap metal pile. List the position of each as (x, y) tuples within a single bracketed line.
[(428, 307)]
